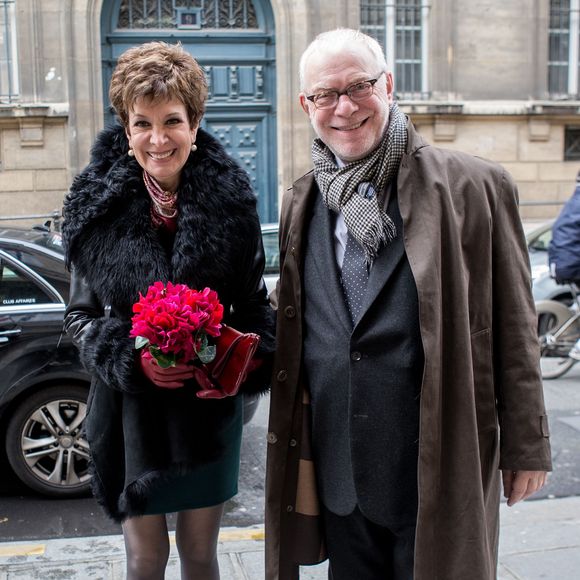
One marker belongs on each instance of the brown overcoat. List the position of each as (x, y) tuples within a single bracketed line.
[(482, 405)]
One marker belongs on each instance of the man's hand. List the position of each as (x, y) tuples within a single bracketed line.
[(519, 485), (169, 378)]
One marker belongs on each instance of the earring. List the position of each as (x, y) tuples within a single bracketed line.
[(131, 153), (193, 147)]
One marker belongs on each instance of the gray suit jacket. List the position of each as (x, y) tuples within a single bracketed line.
[(365, 380)]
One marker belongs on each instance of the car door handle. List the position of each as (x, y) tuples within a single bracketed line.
[(5, 334)]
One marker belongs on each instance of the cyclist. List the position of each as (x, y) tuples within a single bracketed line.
[(564, 250)]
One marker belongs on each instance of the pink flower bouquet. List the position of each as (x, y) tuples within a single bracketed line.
[(174, 323)]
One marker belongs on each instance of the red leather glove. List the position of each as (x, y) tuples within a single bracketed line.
[(169, 378), (211, 391)]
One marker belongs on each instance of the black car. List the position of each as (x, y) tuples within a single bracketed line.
[(43, 386)]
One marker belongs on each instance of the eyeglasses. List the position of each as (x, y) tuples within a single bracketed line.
[(355, 92)]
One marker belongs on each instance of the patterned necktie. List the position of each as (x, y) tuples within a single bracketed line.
[(355, 276)]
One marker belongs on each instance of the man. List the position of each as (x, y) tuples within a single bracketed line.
[(407, 377)]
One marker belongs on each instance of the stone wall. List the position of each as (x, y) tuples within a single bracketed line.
[(35, 165), (531, 149), (487, 82)]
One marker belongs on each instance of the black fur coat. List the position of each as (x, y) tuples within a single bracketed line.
[(138, 433)]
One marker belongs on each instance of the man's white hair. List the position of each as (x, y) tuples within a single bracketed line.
[(342, 40)]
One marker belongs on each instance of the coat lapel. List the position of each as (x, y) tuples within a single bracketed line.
[(304, 193), (322, 242), (387, 260)]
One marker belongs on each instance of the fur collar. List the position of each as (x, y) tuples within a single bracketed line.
[(107, 230)]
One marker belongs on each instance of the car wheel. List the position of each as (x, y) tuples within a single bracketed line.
[(45, 441)]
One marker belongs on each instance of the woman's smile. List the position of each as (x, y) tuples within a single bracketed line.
[(161, 156)]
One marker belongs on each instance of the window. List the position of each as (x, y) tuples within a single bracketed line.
[(400, 27), (572, 144), (50, 268), (8, 57), (270, 239), (187, 14), (17, 290), (563, 37)]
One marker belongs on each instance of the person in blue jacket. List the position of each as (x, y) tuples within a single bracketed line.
[(564, 250)]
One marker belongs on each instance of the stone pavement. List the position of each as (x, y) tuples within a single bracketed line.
[(540, 540)]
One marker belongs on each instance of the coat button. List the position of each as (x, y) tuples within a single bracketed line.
[(355, 355), (272, 437), (290, 312), (289, 508), (282, 376), (293, 442)]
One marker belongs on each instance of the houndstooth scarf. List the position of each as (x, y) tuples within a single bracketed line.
[(364, 218)]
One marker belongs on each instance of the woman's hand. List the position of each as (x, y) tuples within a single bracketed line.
[(169, 378)]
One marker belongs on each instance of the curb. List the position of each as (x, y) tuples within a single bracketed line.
[(32, 549)]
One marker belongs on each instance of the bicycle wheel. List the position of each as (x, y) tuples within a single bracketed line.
[(554, 348)]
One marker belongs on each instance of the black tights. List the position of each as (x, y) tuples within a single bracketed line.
[(196, 535)]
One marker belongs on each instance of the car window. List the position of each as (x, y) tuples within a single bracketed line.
[(50, 268), (271, 251), (542, 242), (16, 289)]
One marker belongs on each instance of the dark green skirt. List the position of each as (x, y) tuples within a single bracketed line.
[(205, 485)]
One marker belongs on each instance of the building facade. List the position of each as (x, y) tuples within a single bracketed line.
[(496, 78)]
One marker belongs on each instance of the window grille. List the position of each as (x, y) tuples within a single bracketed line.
[(215, 14), (563, 41), (373, 19), (9, 88), (400, 27)]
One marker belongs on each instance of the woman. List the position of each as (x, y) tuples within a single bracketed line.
[(161, 201)]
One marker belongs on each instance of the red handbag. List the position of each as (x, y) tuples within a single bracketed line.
[(234, 352)]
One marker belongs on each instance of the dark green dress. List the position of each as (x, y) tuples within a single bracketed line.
[(208, 484)]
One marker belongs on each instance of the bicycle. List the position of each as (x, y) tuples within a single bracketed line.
[(558, 331)]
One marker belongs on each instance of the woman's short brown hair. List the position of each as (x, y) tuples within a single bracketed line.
[(158, 71)]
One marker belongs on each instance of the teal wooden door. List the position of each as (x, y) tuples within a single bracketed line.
[(233, 40)]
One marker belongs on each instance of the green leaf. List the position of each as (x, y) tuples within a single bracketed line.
[(207, 354), (165, 360), (140, 342)]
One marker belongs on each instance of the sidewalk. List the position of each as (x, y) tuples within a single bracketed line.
[(539, 540)]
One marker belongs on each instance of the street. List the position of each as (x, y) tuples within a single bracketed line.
[(26, 516)]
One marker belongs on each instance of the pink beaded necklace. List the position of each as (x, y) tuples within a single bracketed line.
[(164, 203)]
